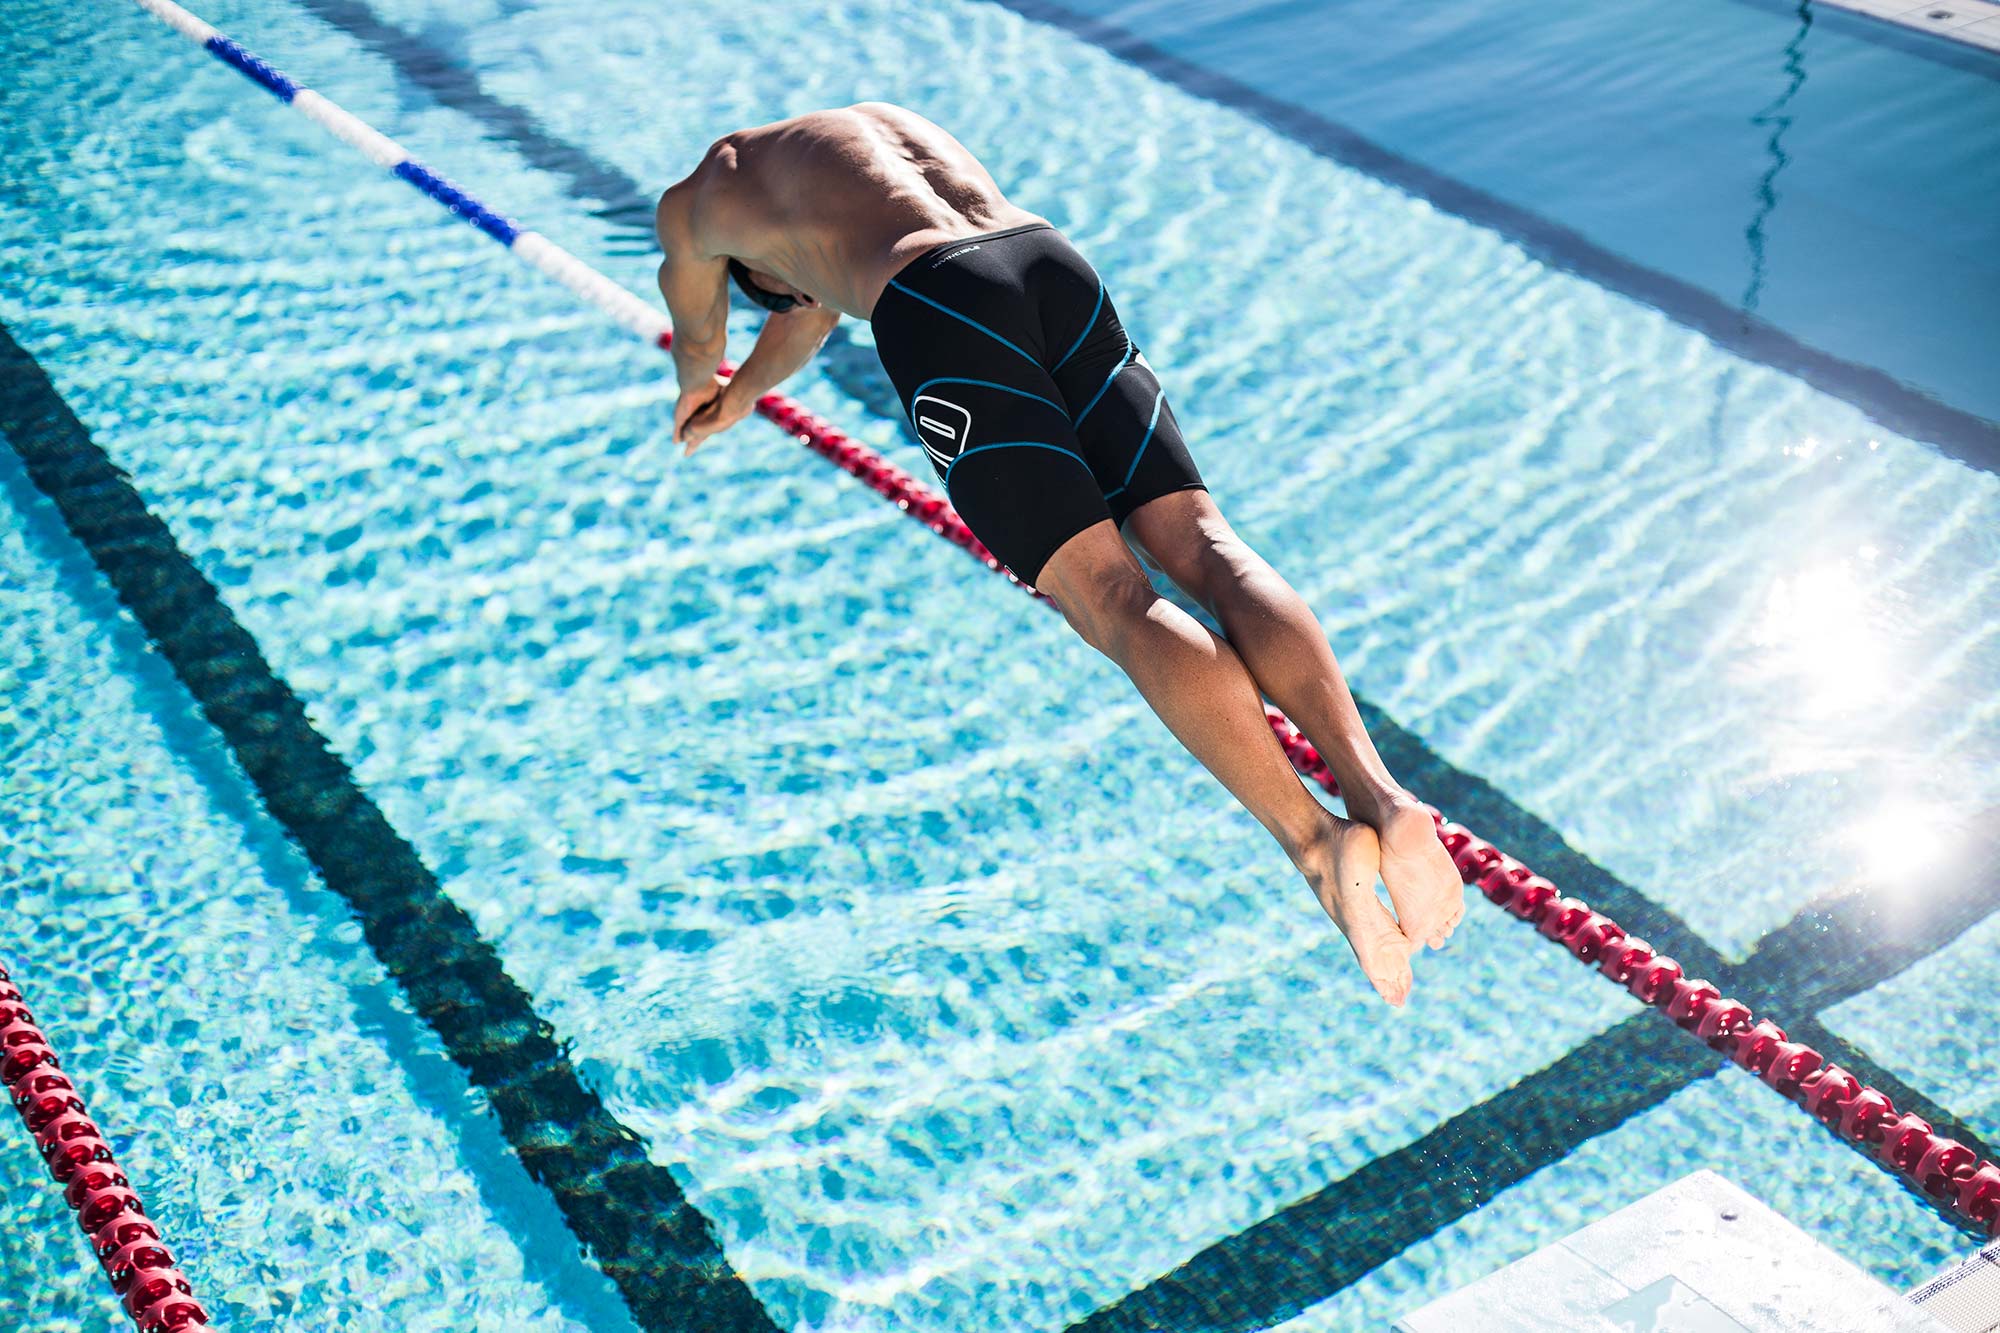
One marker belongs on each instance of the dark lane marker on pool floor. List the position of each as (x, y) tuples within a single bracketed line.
[(583, 175), (1278, 1268), (1843, 943), (629, 1211)]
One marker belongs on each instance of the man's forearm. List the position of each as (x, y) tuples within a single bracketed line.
[(698, 304), (786, 342)]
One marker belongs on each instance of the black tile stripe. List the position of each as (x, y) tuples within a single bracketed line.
[(1841, 944), (1851, 941), (660, 1251), (1319, 1246), (583, 174), (1477, 804), (1847, 941), (1859, 1063), (1963, 435)]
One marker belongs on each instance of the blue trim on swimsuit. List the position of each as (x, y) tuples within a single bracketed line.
[(1158, 398), (1009, 444), (988, 384), (955, 315), (1088, 325), (1123, 361)]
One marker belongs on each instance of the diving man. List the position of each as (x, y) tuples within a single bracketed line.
[(1054, 441)]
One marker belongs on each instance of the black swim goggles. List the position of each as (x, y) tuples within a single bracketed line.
[(771, 301)]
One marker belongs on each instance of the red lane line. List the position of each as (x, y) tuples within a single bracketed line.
[(1943, 1170), (153, 1292)]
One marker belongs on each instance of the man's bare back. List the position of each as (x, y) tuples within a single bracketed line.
[(832, 203)]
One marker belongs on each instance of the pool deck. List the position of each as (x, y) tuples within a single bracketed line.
[(1967, 1298), (1700, 1256), (1973, 22)]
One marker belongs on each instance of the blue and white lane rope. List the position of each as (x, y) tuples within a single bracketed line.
[(631, 313)]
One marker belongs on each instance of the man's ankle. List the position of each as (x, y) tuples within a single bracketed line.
[(1312, 851), (1389, 808)]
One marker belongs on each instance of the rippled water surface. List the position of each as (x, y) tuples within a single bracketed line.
[(1793, 163), (945, 982)]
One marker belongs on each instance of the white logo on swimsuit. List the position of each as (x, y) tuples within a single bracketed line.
[(942, 426), (962, 250)]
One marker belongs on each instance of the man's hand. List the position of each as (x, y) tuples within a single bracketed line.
[(708, 409)]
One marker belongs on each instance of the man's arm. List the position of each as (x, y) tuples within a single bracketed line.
[(696, 287), (786, 342), (694, 279)]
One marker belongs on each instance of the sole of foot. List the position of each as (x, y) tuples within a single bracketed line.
[(1421, 879), (1345, 887)]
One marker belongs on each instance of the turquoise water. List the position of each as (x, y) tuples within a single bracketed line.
[(945, 983)]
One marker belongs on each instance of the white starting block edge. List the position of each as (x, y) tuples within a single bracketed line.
[(1965, 1299), (1700, 1256)]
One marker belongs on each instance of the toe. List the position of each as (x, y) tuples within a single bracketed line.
[(1394, 987)]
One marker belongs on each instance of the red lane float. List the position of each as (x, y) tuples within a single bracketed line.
[(1937, 1167), (141, 1270)]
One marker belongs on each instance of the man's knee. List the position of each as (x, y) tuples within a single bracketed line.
[(1109, 609), (1185, 535), (1211, 570), (1221, 567)]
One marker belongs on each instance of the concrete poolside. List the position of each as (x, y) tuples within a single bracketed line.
[(1973, 22)]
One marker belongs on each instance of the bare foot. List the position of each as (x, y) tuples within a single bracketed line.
[(1344, 883), (1422, 881)]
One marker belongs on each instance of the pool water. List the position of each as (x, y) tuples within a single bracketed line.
[(1744, 163), (947, 986)]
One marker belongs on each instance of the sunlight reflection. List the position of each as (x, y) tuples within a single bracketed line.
[(1904, 841), (1815, 627)]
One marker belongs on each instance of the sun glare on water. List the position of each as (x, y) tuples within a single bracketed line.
[(1904, 843), (1821, 628)]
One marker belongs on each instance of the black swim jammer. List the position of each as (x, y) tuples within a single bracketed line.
[(1038, 413)]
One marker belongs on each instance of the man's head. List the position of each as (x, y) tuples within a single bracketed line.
[(767, 289)]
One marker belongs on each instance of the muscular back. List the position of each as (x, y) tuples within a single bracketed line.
[(834, 202)]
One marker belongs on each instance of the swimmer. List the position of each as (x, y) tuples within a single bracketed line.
[(1054, 441)]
